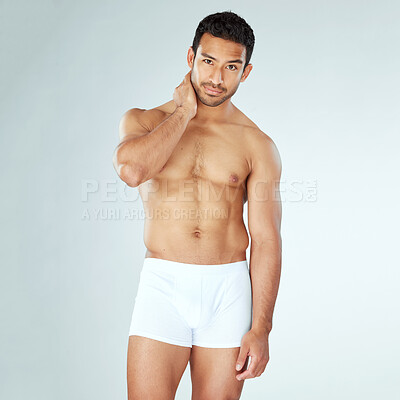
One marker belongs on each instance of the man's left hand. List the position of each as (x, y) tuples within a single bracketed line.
[(254, 344)]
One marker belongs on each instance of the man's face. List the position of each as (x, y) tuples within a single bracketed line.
[(218, 66)]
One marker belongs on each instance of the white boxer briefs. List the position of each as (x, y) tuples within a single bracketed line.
[(193, 304)]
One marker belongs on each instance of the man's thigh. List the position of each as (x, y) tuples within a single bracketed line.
[(154, 368), (213, 373)]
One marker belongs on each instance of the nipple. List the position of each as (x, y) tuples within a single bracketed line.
[(234, 178)]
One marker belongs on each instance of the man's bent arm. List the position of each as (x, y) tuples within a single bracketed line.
[(142, 154), (264, 213)]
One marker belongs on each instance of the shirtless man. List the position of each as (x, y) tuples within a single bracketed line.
[(196, 160)]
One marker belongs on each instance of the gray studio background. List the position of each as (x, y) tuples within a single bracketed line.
[(324, 86)]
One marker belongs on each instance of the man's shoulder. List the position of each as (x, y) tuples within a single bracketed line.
[(258, 140), (252, 131), (260, 145)]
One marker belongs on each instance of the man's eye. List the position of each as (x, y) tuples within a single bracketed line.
[(207, 60), (234, 66)]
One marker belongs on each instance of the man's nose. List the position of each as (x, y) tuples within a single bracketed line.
[(216, 77)]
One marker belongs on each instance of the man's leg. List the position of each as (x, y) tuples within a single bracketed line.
[(216, 343), (213, 373), (154, 368)]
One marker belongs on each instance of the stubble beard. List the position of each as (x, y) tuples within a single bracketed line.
[(212, 101)]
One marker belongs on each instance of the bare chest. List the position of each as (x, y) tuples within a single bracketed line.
[(215, 155)]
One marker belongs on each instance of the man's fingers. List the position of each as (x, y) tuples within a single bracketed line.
[(261, 367), (245, 375), (185, 79), (251, 370), (254, 362), (241, 358)]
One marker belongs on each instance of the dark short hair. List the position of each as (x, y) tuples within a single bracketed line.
[(229, 26)]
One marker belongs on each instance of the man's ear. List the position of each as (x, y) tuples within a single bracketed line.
[(190, 57), (246, 72)]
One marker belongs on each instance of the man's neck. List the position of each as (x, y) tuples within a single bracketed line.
[(221, 113)]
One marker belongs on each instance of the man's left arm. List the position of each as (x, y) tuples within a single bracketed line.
[(264, 220)]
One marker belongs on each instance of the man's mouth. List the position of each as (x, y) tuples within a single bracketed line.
[(212, 91)]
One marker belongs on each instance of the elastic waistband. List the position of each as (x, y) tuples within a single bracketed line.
[(160, 264)]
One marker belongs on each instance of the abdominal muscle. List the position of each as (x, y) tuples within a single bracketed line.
[(195, 232)]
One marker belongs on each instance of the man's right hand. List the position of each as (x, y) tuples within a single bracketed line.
[(185, 96)]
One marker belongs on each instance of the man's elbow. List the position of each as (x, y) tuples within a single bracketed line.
[(131, 176), (262, 240), (130, 173)]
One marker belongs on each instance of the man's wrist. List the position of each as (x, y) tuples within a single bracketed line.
[(185, 112), (262, 329)]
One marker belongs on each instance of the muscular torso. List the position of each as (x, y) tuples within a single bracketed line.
[(194, 205)]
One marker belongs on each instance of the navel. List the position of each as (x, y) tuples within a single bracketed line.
[(197, 233)]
